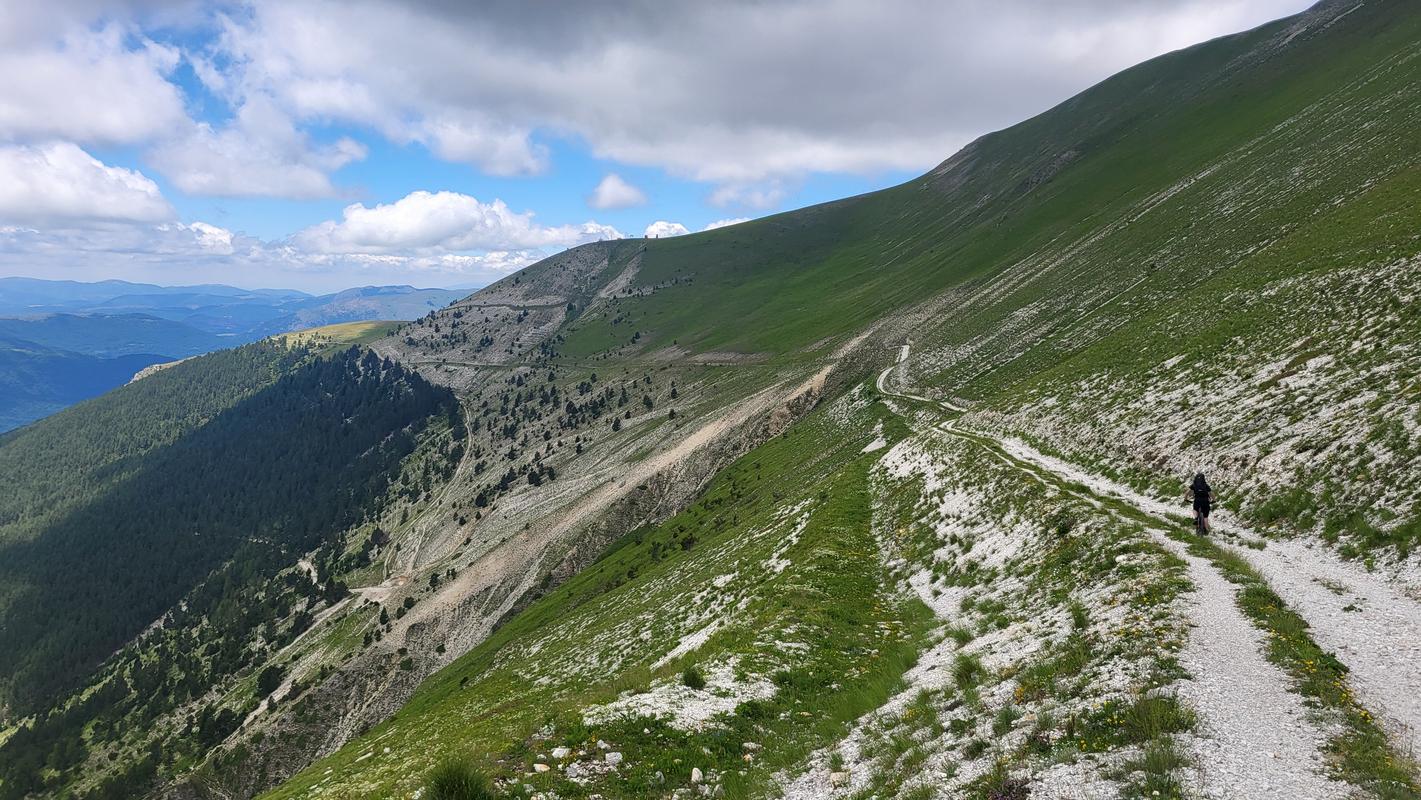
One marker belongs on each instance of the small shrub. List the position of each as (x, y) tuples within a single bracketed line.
[(1154, 773), (270, 679), (998, 784), (457, 779), (693, 678)]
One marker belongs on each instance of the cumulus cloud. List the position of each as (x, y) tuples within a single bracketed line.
[(614, 192), (660, 229), (424, 221), (725, 223), (173, 252), (425, 237), (496, 149), (68, 79), (836, 86), (260, 154), (87, 86), (811, 86), (210, 237), (61, 184)]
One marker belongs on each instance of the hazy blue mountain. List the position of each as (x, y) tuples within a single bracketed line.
[(36, 380), (19, 296), (109, 336), (66, 341), (245, 314)]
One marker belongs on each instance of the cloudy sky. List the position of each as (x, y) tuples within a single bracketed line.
[(318, 145)]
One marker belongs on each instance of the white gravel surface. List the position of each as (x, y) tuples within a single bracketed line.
[(1379, 639), (1255, 738), (683, 707), (1371, 626)]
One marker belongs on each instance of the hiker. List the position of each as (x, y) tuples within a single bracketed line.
[(1202, 495)]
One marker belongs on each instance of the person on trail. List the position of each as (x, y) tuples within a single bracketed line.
[(1203, 497)]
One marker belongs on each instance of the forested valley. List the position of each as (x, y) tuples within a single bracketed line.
[(206, 482)]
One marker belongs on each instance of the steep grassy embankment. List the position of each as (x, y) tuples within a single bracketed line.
[(1206, 204)]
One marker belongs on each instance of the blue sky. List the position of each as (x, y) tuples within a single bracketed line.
[(318, 145)]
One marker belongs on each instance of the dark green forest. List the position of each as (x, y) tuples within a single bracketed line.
[(236, 462)]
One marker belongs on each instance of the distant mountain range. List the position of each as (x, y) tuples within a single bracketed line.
[(65, 341), (216, 309)]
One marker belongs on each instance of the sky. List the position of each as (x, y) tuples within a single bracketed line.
[(321, 144)]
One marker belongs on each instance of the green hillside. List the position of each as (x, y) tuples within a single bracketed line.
[(1095, 282), (1022, 194), (182, 487), (879, 498)]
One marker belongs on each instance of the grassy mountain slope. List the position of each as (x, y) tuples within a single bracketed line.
[(676, 543), (1206, 205), (1258, 324)]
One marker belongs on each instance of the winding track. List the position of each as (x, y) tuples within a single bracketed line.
[(1258, 740)]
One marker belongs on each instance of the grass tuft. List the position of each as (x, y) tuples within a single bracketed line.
[(457, 779)]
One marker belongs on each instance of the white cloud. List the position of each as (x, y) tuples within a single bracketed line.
[(814, 85), (898, 86), (442, 266), (901, 85), (59, 183), (496, 149), (260, 153), (725, 223), (177, 253), (614, 192), (87, 86), (424, 222), (210, 237), (760, 195), (64, 214), (660, 229)]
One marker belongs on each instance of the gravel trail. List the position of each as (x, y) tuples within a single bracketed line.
[(1362, 618), (1254, 738), (1371, 624)]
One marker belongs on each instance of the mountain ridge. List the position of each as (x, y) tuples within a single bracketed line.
[(884, 494)]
